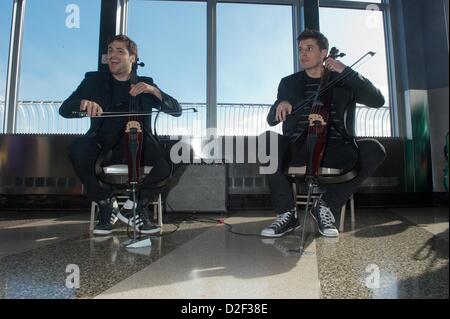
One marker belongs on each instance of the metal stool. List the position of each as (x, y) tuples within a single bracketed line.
[(298, 172)]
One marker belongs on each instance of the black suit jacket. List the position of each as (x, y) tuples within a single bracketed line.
[(352, 90), (97, 87)]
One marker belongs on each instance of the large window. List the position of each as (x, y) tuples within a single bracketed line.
[(254, 50), (5, 28), (171, 36), (356, 32), (252, 57), (60, 44)]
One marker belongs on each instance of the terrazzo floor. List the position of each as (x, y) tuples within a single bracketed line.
[(387, 254)]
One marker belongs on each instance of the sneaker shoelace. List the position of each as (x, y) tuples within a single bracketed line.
[(281, 220), (326, 217)]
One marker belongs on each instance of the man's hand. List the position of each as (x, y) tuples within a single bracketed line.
[(334, 65), (143, 87), (91, 108), (283, 109)]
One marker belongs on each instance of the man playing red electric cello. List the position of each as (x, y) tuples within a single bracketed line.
[(339, 153), (111, 91)]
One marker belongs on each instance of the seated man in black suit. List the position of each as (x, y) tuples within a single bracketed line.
[(111, 91), (339, 153)]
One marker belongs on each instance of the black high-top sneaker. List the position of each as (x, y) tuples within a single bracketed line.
[(325, 219), (107, 214), (284, 224), (141, 222)]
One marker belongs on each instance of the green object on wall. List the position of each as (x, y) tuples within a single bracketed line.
[(418, 148)]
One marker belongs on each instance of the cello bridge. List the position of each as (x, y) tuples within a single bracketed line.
[(133, 125), (316, 119)]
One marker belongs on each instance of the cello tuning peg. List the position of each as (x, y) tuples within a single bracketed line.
[(139, 63)]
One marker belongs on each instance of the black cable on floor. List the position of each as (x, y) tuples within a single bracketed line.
[(230, 229), (130, 233), (214, 221), (177, 227)]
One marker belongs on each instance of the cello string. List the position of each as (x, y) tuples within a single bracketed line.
[(316, 107)]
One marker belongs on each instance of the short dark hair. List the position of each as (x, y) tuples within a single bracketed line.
[(322, 40), (131, 45)]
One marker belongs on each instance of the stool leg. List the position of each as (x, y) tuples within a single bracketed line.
[(305, 218), (160, 221), (93, 210), (294, 192), (342, 221), (352, 211)]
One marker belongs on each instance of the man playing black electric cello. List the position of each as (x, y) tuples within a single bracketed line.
[(101, 92), (339, 152)]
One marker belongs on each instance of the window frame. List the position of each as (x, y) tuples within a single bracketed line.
[(298, 17), (390, 60)]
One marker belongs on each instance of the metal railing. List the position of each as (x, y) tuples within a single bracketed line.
[(42, 117)]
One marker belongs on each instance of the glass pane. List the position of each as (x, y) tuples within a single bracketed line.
[(339, 27), (252, 57), (5, 29), (171, 36), (57, 52)]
